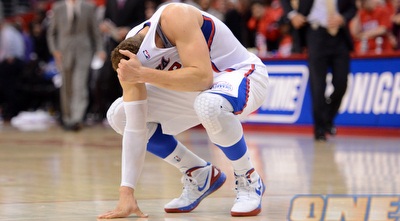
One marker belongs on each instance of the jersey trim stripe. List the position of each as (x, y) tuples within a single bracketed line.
[(239, 103), (245, 86), (214, 67), (144, 25), (208, 29)]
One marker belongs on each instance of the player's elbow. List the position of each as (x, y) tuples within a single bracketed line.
[(206, 83), (205, 79)]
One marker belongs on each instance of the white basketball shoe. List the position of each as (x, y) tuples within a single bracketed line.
[(249, 191), (198, 183)]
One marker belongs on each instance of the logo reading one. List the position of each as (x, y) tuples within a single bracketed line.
[(345, 208)]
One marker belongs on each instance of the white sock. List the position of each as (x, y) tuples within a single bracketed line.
[(134, 142), (184, 159)]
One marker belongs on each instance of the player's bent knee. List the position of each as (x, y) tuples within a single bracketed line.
[(117, 120), (216, 115), (208, 107), (116, 116)]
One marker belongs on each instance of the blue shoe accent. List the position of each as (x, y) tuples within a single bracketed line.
[(216, 185), (214, 179), (261, 189), (205, 184), (249, 189)]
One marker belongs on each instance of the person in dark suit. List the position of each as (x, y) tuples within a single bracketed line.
[(73, 38), (297, 27), (329, 45), (119, 17)]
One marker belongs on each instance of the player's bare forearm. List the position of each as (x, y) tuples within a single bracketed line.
[(133, 92), (185, 79), (196, 73), (193, 77)]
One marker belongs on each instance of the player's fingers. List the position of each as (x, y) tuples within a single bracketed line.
[(118, 71), (140, 214), (114, 214), (120, 77), (127, 53), (105, 215), (122, 65)]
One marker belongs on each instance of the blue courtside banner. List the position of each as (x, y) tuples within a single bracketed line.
[(372, 97)]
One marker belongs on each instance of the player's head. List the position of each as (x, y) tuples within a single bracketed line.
[(131, 44)]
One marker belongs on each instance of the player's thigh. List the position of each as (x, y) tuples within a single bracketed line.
[(246, 93), (172, 109)]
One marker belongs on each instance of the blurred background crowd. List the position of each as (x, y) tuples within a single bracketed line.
[(29, 75)]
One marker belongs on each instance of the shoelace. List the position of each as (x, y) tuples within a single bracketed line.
[(243, 188), (189, 184), (247, 190)]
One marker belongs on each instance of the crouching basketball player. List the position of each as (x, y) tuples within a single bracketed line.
[(181, 68)]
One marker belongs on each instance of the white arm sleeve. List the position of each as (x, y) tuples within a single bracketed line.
[(134, 142)]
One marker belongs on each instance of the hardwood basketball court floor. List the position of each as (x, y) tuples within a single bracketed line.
[(55, 175)]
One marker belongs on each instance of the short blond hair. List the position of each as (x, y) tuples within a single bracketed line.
[(131, 44)]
